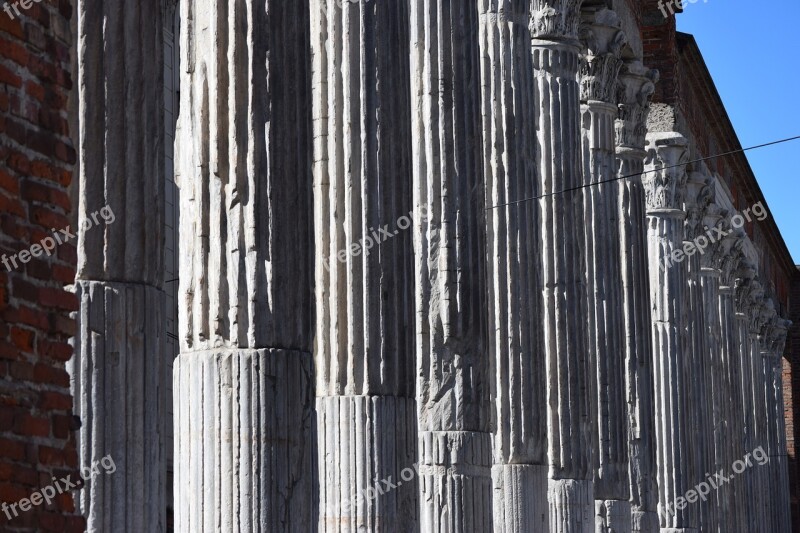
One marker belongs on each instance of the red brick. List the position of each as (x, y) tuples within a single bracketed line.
[(50, 401), (22, 339), (60, 351), (32, 425), (58, 298)]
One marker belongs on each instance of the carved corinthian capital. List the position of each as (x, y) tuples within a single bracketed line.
[(635, 89), (665, 171), (600, 65), (731, 258), (555, 19), (775, 334), (715, 224), (700, 194)]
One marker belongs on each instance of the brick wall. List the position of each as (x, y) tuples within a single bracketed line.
[(37, 440)]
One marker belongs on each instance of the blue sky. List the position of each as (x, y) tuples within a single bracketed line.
[(752, 50)]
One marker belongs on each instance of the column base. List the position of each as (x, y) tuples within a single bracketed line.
[(368, 479), (520, 498), (118, 382), (612, 516), (644, 522), (571, 505), (455, 481), (679, 530), (243, 441)]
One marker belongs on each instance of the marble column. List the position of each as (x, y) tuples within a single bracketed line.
[(701, 450), (453, 386), (599, 70), (719, 505), (768, 472), (364, 350), (775, 341), (520, 471), (761, 489), (745, 285), (555, 48), (665, 185), (243, 384), (118, 371), (637, 85), (730, 358)]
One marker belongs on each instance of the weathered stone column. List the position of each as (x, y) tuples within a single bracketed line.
[(117, 374), (759, 313), (719, 504), (700, 442), (776, 331), (744, 286), (364, 355), (636, 87), (520, 471), (599, 70), (731, 360), (243, 381), (555, 48), (455, 446), (769, 442), (665, 185)]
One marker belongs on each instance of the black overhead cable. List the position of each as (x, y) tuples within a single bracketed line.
[(645, 172)]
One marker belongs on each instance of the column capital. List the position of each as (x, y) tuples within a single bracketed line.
[(665, 177), (557, 20), (635, 89), (775, 334), (602, 36), (744, 285), (731, 258), (766, 316), (699, 195), (716, 224)]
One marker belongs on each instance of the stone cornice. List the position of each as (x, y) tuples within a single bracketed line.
[(635, 89), (555, 19), (600, 66), (665, 166)]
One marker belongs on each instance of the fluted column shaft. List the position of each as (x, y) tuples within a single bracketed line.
[(775, 341), (520, 470), (118, 375), (732, 442), (243, 384), (638, 86), (600, 66), (555, 61), (718, 505), (745, 286), (364, 363), (455, 448), (700, 443), (665, 191)]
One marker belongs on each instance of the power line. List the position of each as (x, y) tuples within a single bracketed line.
[(644, 172)]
